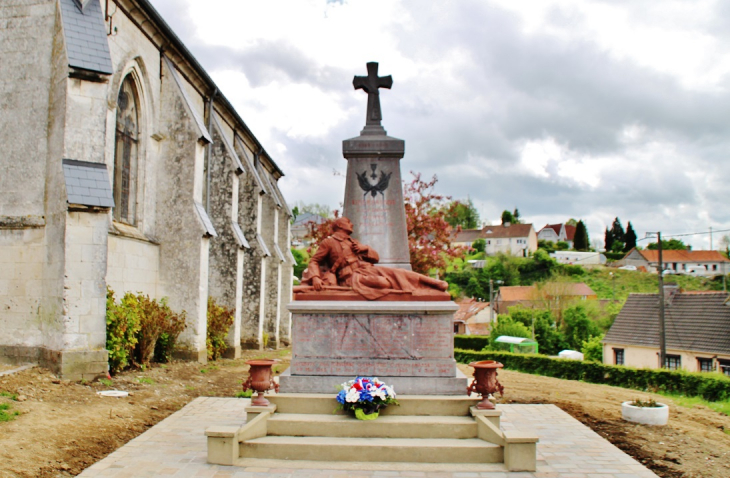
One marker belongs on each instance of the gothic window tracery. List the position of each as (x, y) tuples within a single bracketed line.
[(125, 153)]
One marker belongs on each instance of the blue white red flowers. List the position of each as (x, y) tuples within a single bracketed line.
[(365, 396)]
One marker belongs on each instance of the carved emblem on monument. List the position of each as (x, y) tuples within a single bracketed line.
[(374, 187)]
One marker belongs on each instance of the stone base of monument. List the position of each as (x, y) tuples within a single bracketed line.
[(430, 432), (409, 345)]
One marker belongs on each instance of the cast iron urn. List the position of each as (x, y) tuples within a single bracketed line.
[(485, 382), (260, 379)]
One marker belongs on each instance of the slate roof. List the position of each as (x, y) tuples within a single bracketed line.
[(693, 322), (85, 32), (87, 183), (683, 256)]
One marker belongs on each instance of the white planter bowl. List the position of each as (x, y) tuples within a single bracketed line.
[(645, 415)]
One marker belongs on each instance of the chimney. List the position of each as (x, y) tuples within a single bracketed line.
[(506, 224)]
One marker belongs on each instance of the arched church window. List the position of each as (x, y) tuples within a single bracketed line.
[(125, 153)]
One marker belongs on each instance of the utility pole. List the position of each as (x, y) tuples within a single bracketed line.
[(710, 237), (662, 335), (491, 301)]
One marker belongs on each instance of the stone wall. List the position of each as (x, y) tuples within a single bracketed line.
[(132, 266), (57, 259), (248, 199), (25, 57), (224, 281), (183, 249)]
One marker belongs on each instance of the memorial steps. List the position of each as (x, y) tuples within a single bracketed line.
[(300, 430)]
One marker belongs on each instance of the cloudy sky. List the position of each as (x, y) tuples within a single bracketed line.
[(584, 109)]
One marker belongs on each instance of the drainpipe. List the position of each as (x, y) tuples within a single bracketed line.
[(209, 150)]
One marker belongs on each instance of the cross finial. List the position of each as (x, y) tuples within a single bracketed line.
[(371, 84)]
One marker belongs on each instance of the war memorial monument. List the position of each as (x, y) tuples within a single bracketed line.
[(362, 311)]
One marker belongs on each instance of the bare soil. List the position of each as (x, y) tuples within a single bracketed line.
[(64, 427)]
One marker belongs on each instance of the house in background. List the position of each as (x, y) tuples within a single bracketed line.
[(557, 233), (301, 228), (700, 263), (545, 296), (472, 318), (579, 258), (697, 328), (515, 239)]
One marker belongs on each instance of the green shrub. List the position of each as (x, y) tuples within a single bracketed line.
[(593, 348), (122, 326), (135, 325), (471, 342), (220, 320), (710, 386), (155, 318)]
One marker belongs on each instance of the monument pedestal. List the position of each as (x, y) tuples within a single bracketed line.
[(409, 345)]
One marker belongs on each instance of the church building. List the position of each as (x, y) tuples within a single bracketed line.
[(124, 166)]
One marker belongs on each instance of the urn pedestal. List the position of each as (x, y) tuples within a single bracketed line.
[(485, 382), (260, 379)]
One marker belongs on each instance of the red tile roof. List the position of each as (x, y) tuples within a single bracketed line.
[(490, 232), (683, 256), (469, 308), (527, 293), (570, 232)]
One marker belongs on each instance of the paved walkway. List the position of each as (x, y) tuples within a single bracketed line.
[(177, 447)]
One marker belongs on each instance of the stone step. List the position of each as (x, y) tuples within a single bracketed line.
[(421, 450), (392, 426), (323, 404), (357, 467)]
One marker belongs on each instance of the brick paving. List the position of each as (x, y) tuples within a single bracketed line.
[(176, 447)]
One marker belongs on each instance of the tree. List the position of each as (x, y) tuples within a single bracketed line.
[(507, 326), (302, 259), (618, 234), (462, 213), (313, 208), (669, 245), (593, 349), (630, 237), (507, 217), (571, 222), (608, 240), (580, 241), (429, 234), (479, 245), (516, 217), (548, 246), (578, 327)]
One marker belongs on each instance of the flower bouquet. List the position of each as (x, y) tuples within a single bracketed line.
[(365, 396)]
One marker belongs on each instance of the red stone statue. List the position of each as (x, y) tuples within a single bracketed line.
[(342, 265)]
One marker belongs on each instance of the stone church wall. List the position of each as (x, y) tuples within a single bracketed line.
[(58, 258)]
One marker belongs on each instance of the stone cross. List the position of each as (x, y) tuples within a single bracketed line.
[(371, 84)]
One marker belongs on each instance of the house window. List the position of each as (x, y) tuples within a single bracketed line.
[(724, 366), (673, 362), (125, 152), (489, 243), (714, 267), (618, 356), (499, 241), (704, 364)]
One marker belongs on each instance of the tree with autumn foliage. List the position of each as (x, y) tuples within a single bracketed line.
[(429, 233)]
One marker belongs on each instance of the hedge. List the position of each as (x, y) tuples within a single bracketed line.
[(471, 342), (710, 386)]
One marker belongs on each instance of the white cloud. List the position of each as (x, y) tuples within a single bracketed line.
[(562, 108)]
